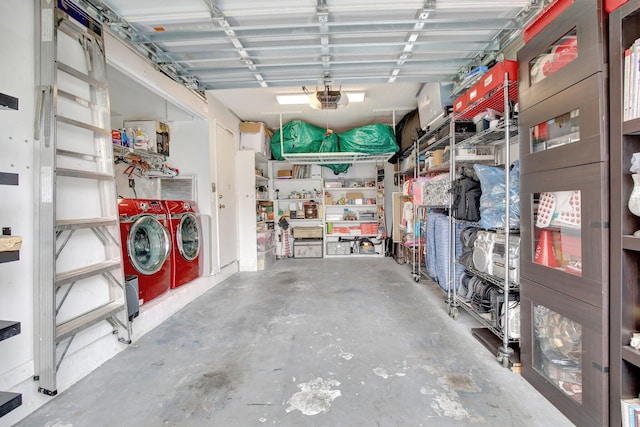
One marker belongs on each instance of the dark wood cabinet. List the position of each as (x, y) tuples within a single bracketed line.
[(568, 50), (564, 154), (624, 30)]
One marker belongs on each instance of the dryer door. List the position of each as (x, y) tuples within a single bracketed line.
[(188, 237), (148, 245)]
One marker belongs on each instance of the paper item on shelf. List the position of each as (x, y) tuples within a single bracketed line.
[(10, 243), (546, 208)]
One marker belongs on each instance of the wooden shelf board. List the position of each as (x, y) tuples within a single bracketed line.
[(631, 355), (631, 243), (631, 127)]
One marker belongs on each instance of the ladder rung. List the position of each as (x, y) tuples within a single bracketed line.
[(75, 325), (80, 75), (82, 125), (85, 272), (74, 173), (74, 224), (77, 99), (76, 154)]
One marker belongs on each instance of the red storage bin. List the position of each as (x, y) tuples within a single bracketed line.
[(611, 5), (493, 79)]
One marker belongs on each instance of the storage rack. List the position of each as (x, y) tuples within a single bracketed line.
[(433, 139), (9, 401), (500, 101), (624, 29)]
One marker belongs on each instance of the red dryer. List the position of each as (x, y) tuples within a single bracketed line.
[(146, 245), (185, 230)]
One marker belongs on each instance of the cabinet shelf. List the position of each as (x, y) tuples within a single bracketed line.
[(631, 127), (9, 256), (631, 355), (9, 329), (9, 402), (631, 243), (8, 178)]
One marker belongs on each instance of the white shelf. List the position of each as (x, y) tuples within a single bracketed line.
[(335, 158), (299, 200), (351, 221), (280, 179), (352, 206), (351, 235), (348, 188)]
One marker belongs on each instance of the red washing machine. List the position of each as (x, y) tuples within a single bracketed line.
[(185, 230), (146, 245)]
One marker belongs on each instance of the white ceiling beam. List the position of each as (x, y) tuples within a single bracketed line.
[(218, 18)]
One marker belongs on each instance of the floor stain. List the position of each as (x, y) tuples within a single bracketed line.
[(314, 396), (459, 382)]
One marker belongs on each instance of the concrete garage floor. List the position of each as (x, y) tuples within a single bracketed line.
[(317, 342)]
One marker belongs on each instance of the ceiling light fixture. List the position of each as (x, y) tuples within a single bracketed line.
[(301, 98), (327, 99)]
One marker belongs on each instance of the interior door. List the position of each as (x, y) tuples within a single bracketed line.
[(225, 202)]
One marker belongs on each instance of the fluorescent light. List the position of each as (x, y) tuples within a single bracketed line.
[(292, 99), (355, 96), (300, 99)]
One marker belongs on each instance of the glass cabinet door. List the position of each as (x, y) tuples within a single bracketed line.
[(564, 230), (557, 350), (557, 231), (557, 131), (555, 57)]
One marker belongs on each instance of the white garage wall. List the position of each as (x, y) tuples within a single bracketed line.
[(190, 153), (16, 210)]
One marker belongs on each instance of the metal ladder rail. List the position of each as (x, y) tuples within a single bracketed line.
[(49, 281)]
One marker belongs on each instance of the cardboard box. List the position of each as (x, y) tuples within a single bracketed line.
[(255, 136), (157, 133), (285, 173), (307, 232)]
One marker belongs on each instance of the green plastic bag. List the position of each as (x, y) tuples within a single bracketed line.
[(372, 139), (330, 144), (299, 137)]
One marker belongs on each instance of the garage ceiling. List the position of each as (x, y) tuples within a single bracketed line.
[(245, 52)]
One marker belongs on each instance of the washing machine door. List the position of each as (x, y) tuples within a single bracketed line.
[(188, 237), (148, 245)]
